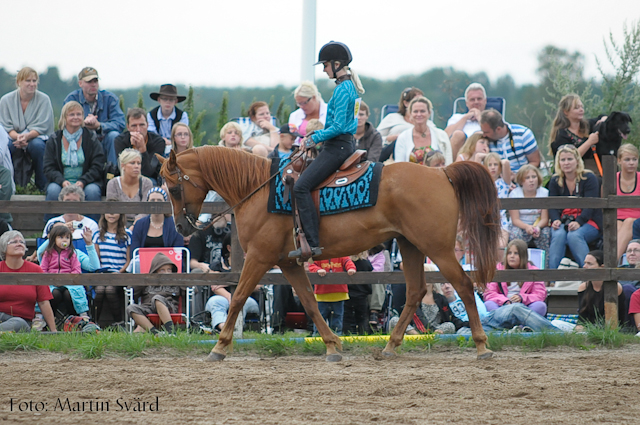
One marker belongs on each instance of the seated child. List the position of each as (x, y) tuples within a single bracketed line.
[(288, 135), (60, 257), (160, 300)]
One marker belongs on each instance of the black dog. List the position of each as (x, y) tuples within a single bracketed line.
[(612, 131)]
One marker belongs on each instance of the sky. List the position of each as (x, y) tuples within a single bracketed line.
[(258, 43)]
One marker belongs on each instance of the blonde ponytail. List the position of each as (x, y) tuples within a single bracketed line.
[(355, 79)]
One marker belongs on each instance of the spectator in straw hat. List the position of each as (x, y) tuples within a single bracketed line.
[(101, 110), (162, 118)]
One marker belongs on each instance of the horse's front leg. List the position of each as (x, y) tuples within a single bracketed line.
[(298, 278), (412, 260), (252, 272)]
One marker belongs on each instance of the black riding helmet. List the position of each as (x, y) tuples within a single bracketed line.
[(332, 52)]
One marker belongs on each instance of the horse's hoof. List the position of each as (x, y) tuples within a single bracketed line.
[(389, 354), (334, 358), (485, 356), (215, 357)]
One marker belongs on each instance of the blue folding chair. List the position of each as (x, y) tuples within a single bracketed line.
[(497, 103)]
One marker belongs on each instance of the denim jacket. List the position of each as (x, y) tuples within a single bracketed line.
[(109, 113)]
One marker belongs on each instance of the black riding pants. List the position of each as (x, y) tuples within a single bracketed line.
[(334, 153)]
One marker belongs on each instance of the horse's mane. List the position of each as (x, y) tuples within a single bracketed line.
[(233, 173)]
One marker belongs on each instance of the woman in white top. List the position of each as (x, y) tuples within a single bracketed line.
[(395, 123), (414, 144), (130, 186), (528, 224), (261, 130), (310, 107)]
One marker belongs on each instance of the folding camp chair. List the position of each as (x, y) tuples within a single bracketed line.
[(144, 257), (497, 103)]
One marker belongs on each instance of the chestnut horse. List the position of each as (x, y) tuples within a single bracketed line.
[(417, 205)]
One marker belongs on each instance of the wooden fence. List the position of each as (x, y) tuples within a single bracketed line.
[(610, 274)]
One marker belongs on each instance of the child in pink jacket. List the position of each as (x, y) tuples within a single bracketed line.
[(60, 255), (531, 294)]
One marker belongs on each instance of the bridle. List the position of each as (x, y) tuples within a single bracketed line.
[(190, 217), (184, 177)]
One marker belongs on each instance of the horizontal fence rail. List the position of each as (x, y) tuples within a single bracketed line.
[(199, 279), (104, 207)]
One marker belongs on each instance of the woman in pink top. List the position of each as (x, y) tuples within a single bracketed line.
[(531, 294), (627, 182)]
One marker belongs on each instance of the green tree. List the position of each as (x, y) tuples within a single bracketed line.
[(223, 115), (140, 102), (195, 121)]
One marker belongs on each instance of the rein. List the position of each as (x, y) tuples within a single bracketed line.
[(192, 220)]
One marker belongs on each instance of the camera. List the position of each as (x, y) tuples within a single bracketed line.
[(77, 225), (566, 219)]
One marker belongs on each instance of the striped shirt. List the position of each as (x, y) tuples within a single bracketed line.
[(524, 143), (342, 117), (113, 254)]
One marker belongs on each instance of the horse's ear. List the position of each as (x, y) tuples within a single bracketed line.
[(160, 158)]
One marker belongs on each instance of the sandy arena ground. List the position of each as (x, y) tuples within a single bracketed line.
[(564, 386)]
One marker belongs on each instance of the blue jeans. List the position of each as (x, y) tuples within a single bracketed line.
[(510, 315), (333, 314), (108, 147), (218, 306), (577, 241), (92, 192), (35, 149)]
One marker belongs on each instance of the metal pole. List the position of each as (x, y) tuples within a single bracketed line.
[(307, 72)]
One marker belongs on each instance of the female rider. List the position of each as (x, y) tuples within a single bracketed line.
[(341, 124)]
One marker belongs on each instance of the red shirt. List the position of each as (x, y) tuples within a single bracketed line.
[(634, 304), (335, 265), (20, 300)]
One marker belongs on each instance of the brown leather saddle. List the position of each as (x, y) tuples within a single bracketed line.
[(350, 170), (354, 167)]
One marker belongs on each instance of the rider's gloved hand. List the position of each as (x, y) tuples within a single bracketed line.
[(308, 143)]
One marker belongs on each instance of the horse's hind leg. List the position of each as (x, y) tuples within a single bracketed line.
[(297, 277), (412, 260), (251, 274), (453, 272)]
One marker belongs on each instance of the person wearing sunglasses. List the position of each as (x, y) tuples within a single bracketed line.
[(310, 106)]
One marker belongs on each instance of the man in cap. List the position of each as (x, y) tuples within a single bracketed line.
[(101, 110), (160, 300), (162, 118)]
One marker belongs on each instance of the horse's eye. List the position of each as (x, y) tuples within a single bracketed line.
[(175, 192)]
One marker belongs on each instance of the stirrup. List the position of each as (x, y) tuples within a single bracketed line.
[(315, 251)]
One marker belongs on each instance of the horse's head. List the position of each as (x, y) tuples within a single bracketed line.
[(187, 188)]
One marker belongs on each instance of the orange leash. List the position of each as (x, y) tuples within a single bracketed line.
[(597, 158)]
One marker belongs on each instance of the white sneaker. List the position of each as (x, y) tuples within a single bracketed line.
[(638, 334), (38, 323)]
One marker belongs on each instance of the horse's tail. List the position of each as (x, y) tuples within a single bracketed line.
[(479, 215)]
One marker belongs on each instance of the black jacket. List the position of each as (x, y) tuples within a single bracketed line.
[(155, 145), (94, 159)]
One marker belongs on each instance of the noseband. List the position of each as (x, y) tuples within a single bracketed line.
[(190, 217)]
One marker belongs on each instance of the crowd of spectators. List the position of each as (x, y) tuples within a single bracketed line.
[(98, 150)]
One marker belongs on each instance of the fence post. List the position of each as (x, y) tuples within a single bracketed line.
[(610, 245), (237, 255)]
